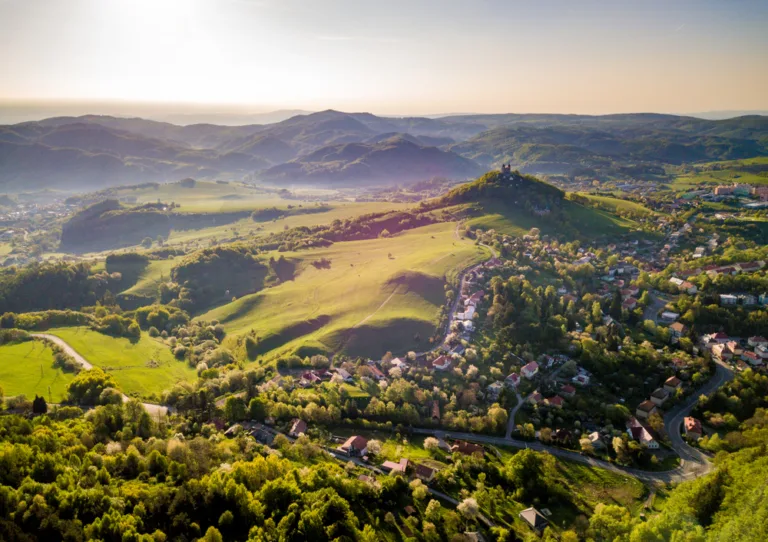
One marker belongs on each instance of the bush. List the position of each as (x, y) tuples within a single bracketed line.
[(153, 332)]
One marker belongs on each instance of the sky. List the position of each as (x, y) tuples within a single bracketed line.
[(394, 57)]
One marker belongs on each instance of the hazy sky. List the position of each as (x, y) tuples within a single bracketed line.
[(391, 57)]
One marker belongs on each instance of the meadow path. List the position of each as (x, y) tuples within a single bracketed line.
[(152, 409)]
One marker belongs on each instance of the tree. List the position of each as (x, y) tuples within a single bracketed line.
[(431, 444), (419, 490), (433, 511), (586, 446), (257, 409), (146, 242), (213, 535), (39, 406), (374, 446), (609, 523), (622, 452), (234, 409), (469, 508)]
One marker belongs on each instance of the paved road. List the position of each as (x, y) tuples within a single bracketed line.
[(658, 301), (153, 409), (695, 460)]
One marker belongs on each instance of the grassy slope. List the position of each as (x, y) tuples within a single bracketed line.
[(613, 204), (733, 173), (586, 222), (127, 361), (150, 278), (357, 291), (27, 369)]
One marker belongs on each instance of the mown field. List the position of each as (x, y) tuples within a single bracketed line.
[(129, 362), (27, 369), (377, 295)]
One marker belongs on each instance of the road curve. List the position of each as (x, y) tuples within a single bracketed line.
[(151, 408), (693, 464)]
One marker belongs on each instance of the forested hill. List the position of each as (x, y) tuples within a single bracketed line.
[(512, 188)]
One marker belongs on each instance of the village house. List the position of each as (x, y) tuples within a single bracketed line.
[(530, 370), (556, 401), (728, 299), (645, 409), (692, 428), (394, 468), (638, 432), (752, 358), (512, 380), (355, 446), (677, 330), (298, 427), (568, 391), (376, 373), (424, 473), (493, 391), (672, 384), (669, 316), (596, 440), (535, 398), (534, 519), (757, 341), (441, 363), (581, 379), (630, 304), (659, 397), (467, 448), (762, 351)]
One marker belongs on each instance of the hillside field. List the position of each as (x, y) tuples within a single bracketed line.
[(378, 295), (584, 221), (27, 369), (750, 171), (129, 361), (613, 204)]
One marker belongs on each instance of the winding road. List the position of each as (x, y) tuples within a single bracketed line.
[(151, 408)]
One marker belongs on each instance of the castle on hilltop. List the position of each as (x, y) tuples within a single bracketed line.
[(506, 168)]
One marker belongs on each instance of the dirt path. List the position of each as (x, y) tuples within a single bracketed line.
[(364, 320), (153, 409)]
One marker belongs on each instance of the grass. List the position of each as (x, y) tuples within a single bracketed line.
[(582, 221), (613, 204), (27, 369), (151, 276), (377, 296), (128, 361), (733, 171)]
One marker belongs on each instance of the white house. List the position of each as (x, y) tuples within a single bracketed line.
[(530, 370)]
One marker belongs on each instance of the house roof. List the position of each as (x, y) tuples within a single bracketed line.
[(357, 442), (530, 367), (467, 448), (758, 339), (660, 394), (646, 406), (568, 389), (630, 302), (692, 424), (677, 326), (298, 426), (534, 518), (441, 361), (424, 470), (672, 381), (556, 400)]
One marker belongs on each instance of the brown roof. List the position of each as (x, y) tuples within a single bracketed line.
[(357, 442), (424, 470), (692, 425), (646, 406), (677, 326), (466, 448), (672, 381)]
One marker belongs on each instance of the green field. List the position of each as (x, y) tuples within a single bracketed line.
[(151, 276), (613, 204), (583, 221), (733, 171), (27, 369), (377, 295), (128, 361)]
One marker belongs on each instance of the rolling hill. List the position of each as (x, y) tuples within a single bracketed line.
[(393, 160), (93, 152)]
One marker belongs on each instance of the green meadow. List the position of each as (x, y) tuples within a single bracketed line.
[(616, 204), (149, 279), (749, 171), (377, 295), (583, 221), (143, 368), (27, 369)]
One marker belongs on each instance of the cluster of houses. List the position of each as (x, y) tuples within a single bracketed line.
[(725, 348), (660, 396), (747, 300), (316, 376)]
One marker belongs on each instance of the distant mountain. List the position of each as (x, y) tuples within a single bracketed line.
[(394, 160), (96, 151)]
